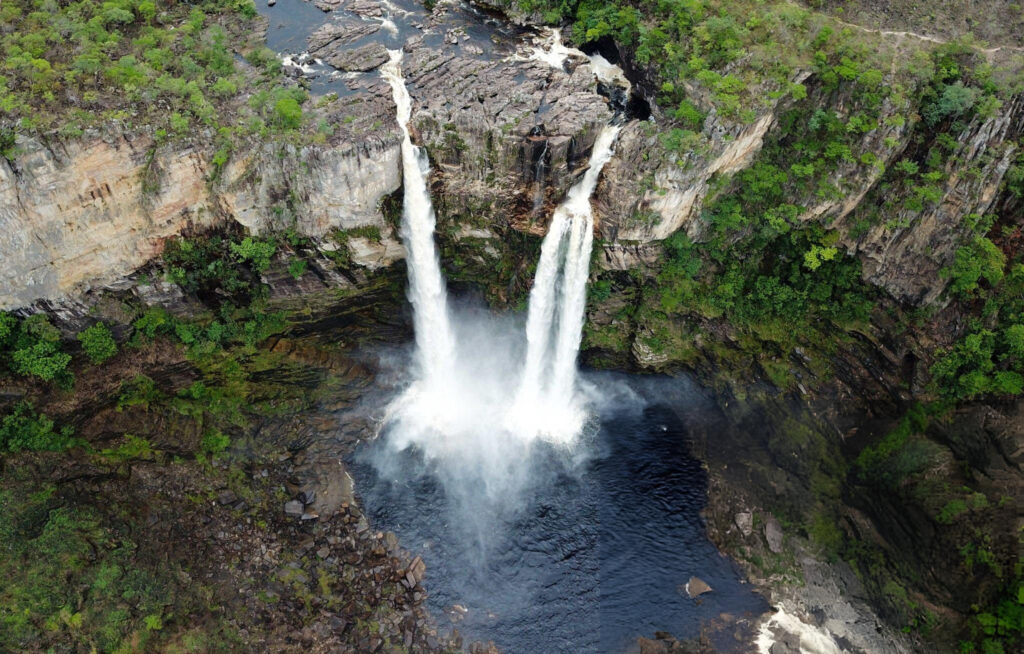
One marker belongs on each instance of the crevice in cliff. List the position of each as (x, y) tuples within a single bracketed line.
[(636, 105)]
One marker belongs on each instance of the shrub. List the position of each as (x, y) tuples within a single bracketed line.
[(288, 113), (37, 350), (155, 321), (25, 430), (951, 511), (297, 267), (98, 343), (255, 251), (975, 262), (215, 442)]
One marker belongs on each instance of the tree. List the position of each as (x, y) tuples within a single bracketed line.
[(25, 430), (972, 263), (98, 343), (288, 113)]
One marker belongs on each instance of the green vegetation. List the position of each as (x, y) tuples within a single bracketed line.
[(158, 63), (75, 577), (25, 430), (98, 343), (255, 252), (32, 347), (989, 357)]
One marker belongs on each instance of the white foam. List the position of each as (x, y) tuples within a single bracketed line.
[(813, 640)]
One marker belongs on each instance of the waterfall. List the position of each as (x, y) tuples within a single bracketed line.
[(434, 341), (554, 324), (460, 387)]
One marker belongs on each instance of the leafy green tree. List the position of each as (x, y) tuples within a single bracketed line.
[(288, 113), (980, 260), (98, 343), (25, 430), (255, 251), (955, 100), (36, 350), (1014, 339)]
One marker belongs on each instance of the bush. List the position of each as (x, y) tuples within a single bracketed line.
[(25, 430), (297, 267), (98, 343), (255, 251), (35, 348), (975, 262), (288, 113), (215, 442)]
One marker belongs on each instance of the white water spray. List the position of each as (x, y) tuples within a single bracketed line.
[(545, 402), (459, 409), (434, 342)]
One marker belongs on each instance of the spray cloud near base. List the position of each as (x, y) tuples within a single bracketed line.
[(472, 409)]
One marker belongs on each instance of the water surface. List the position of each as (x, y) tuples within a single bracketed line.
[(592, 552)]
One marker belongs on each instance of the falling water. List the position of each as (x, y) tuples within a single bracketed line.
[(434, 341), (450, 407), (555, 320)]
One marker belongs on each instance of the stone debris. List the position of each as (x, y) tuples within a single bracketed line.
[(293, 508)]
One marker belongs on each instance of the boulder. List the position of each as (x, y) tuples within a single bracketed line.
[(745, 523), (416, 571), (359, 60), (339, 33), (697, 586), (327, 5)]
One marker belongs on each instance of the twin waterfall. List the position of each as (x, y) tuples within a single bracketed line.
[(441, 398)]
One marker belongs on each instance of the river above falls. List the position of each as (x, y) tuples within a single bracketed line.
[(593, 550)]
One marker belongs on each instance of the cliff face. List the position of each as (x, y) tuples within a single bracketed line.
[(507, 142), (85, 213), (75, 213)]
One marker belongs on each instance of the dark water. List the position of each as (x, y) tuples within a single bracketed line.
[(594, 549), (291, 22)]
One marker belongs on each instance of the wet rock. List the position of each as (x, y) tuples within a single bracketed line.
[(293, 508), (773, 534), (271, 3), (745, 523), (327, 5), (365, 8), (414, 574), (339, 34), (785, 642), (697, 586), (359, 60)]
